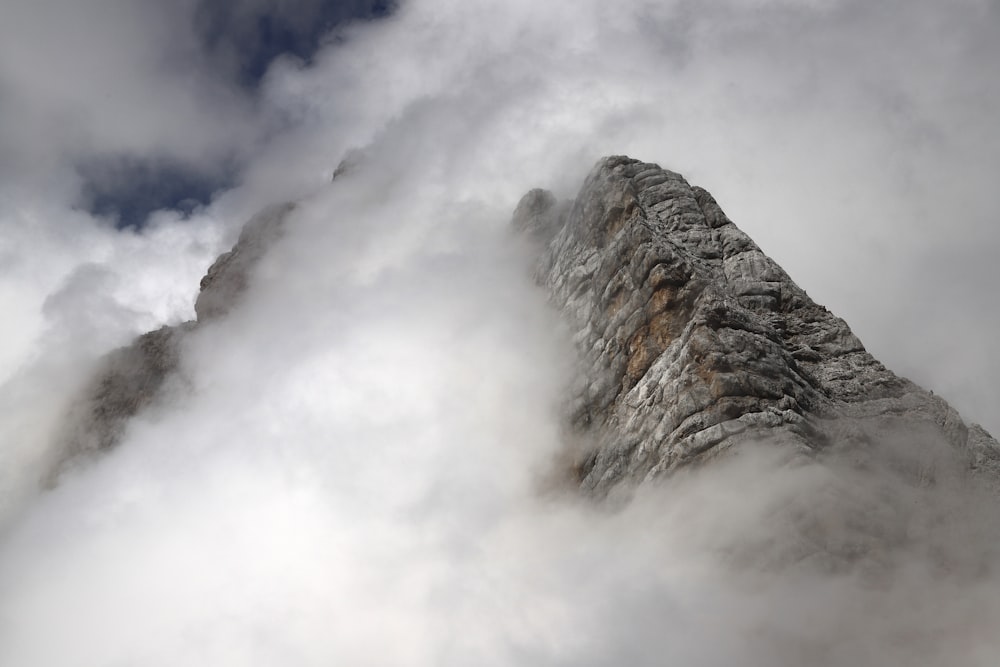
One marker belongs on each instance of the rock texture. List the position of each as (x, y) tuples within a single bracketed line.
[(693, 340), (131, 378)]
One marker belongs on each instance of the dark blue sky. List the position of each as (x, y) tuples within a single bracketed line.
[(246, 37), (128, 188), (238, 41)]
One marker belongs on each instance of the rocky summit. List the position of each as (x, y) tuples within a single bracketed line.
[(693, 340)]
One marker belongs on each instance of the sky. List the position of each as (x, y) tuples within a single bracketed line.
[(348, 470)]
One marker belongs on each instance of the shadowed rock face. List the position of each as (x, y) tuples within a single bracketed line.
[(693, 340), (131, 378)]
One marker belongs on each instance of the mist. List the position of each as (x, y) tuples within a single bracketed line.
[(359, 463)]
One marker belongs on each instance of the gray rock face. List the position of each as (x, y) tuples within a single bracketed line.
[(131, 378), (228, 276), (693, 340)]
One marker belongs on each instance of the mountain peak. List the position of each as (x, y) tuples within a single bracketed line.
[(694, 341)]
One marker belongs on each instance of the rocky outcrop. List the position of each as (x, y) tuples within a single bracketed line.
[(130, 379), (693, 340)]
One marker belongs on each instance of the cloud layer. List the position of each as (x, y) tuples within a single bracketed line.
[(355, 465)]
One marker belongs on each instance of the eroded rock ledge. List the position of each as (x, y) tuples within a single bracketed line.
[(693, 340)]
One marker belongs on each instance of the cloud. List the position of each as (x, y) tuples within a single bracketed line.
[(852, 162), (355, 465), (166, 88), (109, 77)]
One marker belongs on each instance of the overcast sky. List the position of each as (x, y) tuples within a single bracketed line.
[(322, 452)]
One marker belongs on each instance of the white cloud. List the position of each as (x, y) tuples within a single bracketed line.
[(109, 77), (355, 470)]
